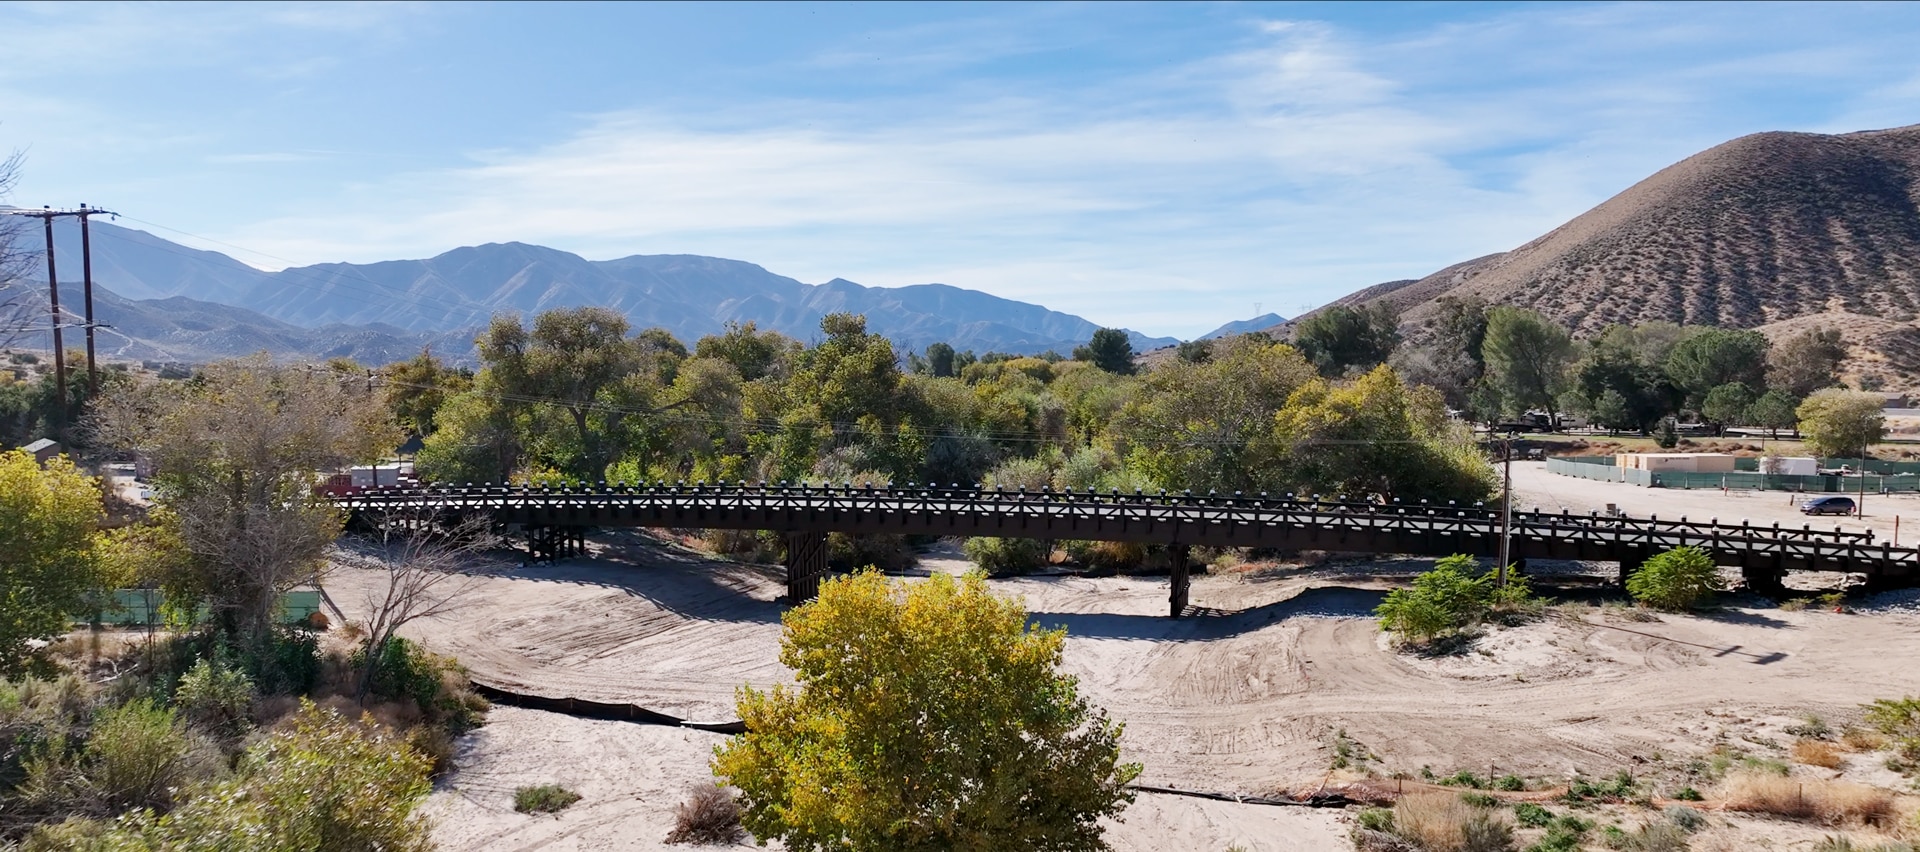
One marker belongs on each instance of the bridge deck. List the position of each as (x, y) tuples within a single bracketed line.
[(1204, 520)]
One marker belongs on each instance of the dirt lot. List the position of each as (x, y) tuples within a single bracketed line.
[(1250, 697), (1534, 488)]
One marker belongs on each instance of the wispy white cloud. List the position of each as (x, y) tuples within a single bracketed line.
[(1295, 164)]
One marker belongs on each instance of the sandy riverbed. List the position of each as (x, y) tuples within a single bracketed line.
[(1245, 698)]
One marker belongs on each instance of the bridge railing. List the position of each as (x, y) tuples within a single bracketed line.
[(1211, 507)]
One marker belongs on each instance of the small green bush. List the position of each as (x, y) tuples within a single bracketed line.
[(544, 799), (1686, 818), (136, 755), (1895, 717), (1688, 794), (1510, 783), (1376, 819), (1532, 815), (1676, 580), (1480, 800), (215, 698), (1620, 785), (437, 684), (325, 783), (1453, 595), (1463, 778), (1564, 834), (1001, 557)]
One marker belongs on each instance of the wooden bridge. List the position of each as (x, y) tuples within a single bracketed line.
[(555, 519)]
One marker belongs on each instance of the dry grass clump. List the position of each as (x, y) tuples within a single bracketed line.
[(1817, 753), (1443, 822), (1861, 739), (1828, 802), (709, 815)]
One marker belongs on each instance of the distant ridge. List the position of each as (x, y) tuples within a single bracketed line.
[(1259, 323), (330, 306)]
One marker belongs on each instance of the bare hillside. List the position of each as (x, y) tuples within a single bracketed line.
[(1764, 228)]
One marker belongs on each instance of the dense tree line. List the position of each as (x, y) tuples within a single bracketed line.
[(580, 396), (1491, 362)]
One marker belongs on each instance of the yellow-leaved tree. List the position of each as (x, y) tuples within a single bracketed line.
[(927, 716), (48, 520)]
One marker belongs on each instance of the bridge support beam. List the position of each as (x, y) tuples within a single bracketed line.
[(806, 563), (1182, 579), (1764, 580), (548, 543), (1632, 561)]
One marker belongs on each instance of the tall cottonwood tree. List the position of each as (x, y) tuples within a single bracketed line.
[(581, 361), (236, 453)]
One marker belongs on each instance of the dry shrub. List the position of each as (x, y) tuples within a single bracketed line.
[(709, 815), (1115, 555), (1443, 822), (1817, 753), (436, 745), (1861, 739), (1367, 840), (1829, 802)]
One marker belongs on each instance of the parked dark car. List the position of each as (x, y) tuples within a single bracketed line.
[(1828, 506)]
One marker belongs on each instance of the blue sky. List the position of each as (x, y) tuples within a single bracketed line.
[(1162, 167)]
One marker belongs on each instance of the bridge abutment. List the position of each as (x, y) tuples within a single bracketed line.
[(806, 562)]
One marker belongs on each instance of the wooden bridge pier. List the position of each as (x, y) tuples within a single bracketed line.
[(806, 562), (1182, 579), (547, 543)]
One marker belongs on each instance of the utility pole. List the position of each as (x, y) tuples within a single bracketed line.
[(59, 348), (1506, 515), (47, 215), (86, 276)]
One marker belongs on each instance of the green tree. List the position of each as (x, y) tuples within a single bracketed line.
[(1110, 350), (1195, 351), (1725, 405), (1376, 437), (1714, 357), (581, 360), (1666, 437), (1527, 357), (1806, 362), (235, 452), (756, 354), (927, 716), (1773, 410), (1611, 410), (1209, 426), (940, 360), (48, 564), (416, 390), (1675, 580), (477, 439), (1836, 422), (1338, 339)]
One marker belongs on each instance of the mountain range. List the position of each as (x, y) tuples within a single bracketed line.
[(167, 301), (1778, 232)]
